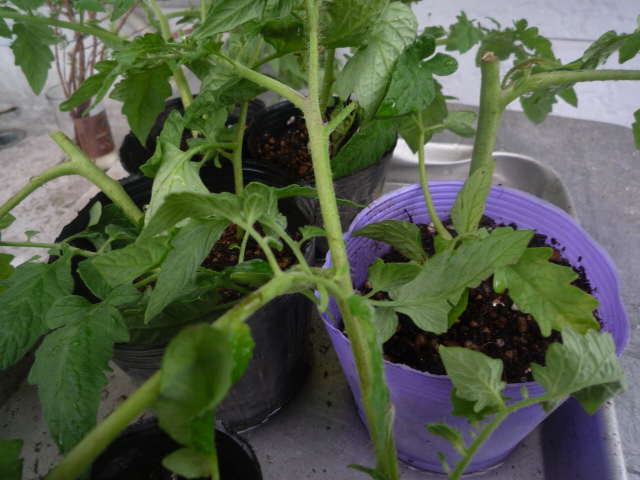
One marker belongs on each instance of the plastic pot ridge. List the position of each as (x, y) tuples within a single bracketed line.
[(422, 398)]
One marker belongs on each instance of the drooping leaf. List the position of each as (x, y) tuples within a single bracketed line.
[(143, 92), (538, 105), (10, 463), (584, 366), (70, 365), (403, 236), (368, 72), (366, 147), (29, 294), (429, 298), (189, 248), (225, 15), (32, 53), (196, 374), (543, 289), (475, 376)]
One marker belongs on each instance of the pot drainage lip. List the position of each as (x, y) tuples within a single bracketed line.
[(11, 136)]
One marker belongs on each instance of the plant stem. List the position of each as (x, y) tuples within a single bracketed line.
[(366, 350), (422, 172), (103, 35), (551, 79), (489, 115), (237, 150), (79, 459), (338, 119)]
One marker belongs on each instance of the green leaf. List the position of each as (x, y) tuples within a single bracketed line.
[(171, 134), (369, 71), (429, 298), (96, 85), (70, 365), (177, 174), (88, 6), (10, 463), (460, 122), (385, 321), (475, 376), (143, 92), (6, 221), (189, 248), (32, 53), (600, 51), (29, 294), (366, 147), (226, 15), (538, 105), (543, 289), (635, 129), (468, 206), (388, 276), (452, 435), (6, 269), (465, 33), (188, 463), (310, 231), (584, 366), (196, 374), (630, 47), (372, 472), (120, 7), (459, 308), (124, 265), (403, 236), (347, 23), (5, 31), (430, 120)]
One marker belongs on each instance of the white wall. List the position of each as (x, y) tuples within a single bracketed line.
[(572, 25)]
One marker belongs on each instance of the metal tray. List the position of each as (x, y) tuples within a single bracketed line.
[(319, 433)]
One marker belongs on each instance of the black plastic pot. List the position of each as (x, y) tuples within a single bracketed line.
[(133, 154), (280, 329), (138, 452), (361, 187)]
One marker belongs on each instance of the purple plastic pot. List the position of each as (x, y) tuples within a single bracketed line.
[(422, 398)]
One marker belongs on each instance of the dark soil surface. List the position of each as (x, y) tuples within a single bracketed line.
[(490, 325), (225, 254)]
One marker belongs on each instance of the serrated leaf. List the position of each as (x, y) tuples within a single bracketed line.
[(196, 374), (366, 147), (388, 276), (368, 72), (189, 248), (310, 231), (10, 463), (543, 289), (465, 33), (452, 435), (538, 105), (32, 53), (29, 294), (70, 365), (143, 92), (403, 236), (429, 298), (584, 366), (475, 376), (225, 15)]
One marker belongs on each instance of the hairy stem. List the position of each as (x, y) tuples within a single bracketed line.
[(327, 82)]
